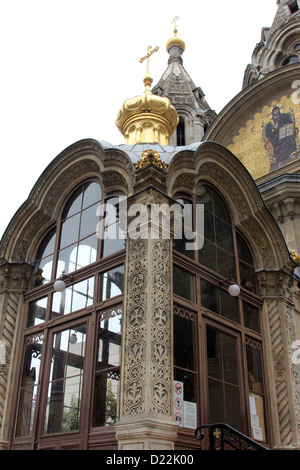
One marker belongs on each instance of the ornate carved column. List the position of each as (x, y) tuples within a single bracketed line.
[(13, 281), (146, 413), (277, 289)]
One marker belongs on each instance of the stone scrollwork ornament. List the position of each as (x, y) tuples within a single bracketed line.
[(295, 257), (150, 157)]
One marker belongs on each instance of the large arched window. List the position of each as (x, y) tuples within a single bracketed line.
[(70, 364), (218, 340)]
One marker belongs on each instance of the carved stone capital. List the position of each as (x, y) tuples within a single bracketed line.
[(277, 284), (14, 276)]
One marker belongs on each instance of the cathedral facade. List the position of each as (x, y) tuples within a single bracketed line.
[(152, 287)]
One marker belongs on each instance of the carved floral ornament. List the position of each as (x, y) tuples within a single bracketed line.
[(150, 157)]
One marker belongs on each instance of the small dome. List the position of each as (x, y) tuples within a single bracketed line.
[(175, 41)]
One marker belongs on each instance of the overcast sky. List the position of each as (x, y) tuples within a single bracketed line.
[(68, 65)]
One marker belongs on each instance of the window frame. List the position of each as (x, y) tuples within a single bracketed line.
[(52, 325), (206, 317)]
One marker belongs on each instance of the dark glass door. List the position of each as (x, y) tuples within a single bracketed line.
[(224, 390)]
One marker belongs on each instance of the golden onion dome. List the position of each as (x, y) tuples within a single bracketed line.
[(175, 41), (148, 117)]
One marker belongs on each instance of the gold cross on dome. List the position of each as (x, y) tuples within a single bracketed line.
[(176, 18), (148, 55)]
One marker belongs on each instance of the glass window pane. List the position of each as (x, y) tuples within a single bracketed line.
[(67, 260), (232, 410), (46, 248), (43, 271), (89, 221), (54, 407), (224, 235), (216, 401), (221, 356), (113, 239), (68, 353), (32, 360), (70, 231), (112, 319), (26, 411), (226, 267), (251, 317), (183, 283), (87, 251), (243, 250), (229, 306), (247, 275), (74, 204), (29, 385), (183, 343), (59, 355), (209, 229), (65, 384), (111, 212), (108, 352), (63, 406), (207, 256), (214, 354), (109, 338), (61, 303), (71, 404), (43, 265), (254, 369), (223, 385), (210, 296), (112, 282), (106, 391), (75, 297), (220, 208), (83, 294), (37, 311), (189, 384), (180, 246), (204, 196), (106, 398), (229, 359), (92, 194)]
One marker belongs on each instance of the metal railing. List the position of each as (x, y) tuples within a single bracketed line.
[(221, 436)]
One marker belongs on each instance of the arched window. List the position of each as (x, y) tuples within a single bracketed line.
[(181, 132), (70, 364), (218, 339)]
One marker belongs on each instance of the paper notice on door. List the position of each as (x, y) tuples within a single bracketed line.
[(257, 420), (190, 415), (257, 433), (254, 420), (252, 405)]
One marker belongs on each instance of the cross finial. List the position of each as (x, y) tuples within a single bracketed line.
[(175, 19), (148, 55)]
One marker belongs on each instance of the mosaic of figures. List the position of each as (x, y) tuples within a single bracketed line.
[(280, 137)]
